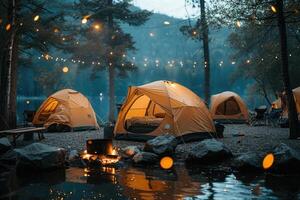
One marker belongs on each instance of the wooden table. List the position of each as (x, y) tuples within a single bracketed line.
[(16, 133)]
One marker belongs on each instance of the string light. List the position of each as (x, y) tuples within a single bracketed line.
[(84, 20), (7, 27), (65, 69), (273, 8), (238, 24), (167, 23), (36, 18), (151, 34), (97, 27)]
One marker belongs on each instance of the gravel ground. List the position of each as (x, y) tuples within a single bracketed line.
[(259, 138)]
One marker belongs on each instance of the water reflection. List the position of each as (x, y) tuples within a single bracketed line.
[(150, 184), (157, 184)]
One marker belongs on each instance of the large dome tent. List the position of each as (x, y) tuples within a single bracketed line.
[(163, 107), (66, 107)]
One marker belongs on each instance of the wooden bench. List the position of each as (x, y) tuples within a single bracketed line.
[(16, 133)]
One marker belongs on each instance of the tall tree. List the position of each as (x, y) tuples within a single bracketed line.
[(200, 31), (105, 40), (30, 28), (268, 13)]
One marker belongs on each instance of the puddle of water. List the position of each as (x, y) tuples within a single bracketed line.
[(149, 184)]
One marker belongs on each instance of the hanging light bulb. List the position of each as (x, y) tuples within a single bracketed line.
[(36, 18), (7, 27), (273, 8), (65, 69)]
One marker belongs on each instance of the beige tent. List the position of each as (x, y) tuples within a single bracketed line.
[(228, 106), (296, 93), (162, 107), (66, 107)]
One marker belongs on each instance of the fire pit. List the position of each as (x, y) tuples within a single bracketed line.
[(100, 151)]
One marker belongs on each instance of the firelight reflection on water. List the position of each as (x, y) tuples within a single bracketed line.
[(148, 184)]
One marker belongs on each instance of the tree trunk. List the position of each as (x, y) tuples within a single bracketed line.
[(9, 72), (204, 28), (111, 72), (292, 112)]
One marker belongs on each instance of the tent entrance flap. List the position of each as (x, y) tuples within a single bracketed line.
[(228, 107), (143, 116)]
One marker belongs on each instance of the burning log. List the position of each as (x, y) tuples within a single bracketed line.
[(100, 151)]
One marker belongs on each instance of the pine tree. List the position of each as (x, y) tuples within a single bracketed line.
[(105, 43), (30, 27)]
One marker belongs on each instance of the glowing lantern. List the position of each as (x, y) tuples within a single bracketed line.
[(65, 69), (166, 162), (273, 8), (36, 18), (7, 27), (268, 161)]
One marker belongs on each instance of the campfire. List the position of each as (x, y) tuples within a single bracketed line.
[(100, 151)]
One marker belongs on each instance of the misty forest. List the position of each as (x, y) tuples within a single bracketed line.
[(148, 99)]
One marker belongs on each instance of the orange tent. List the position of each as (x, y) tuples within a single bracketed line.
[(228, 106), (165, 107), (296, 92), (66, 107)]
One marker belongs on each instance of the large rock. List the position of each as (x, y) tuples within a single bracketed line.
[(129, 151), (248, 162), (286, 159), (145, 158), (161, 145), (5, 145), (208, 151), (39, 156)]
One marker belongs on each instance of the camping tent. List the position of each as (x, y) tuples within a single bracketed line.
[(163, 107), (296, 92), (66, 107), (228, 106)]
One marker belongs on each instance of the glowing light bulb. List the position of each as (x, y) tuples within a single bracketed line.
[(7, 27), (273, 8), (65, 69), (36, 18)]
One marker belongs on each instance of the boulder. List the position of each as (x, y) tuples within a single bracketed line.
[(9, 157), (248, 162), (73, 154), (145, 158), (129, 151), (208, 151), (5, 145), (161, 145), (287, 160), (39, 156)]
